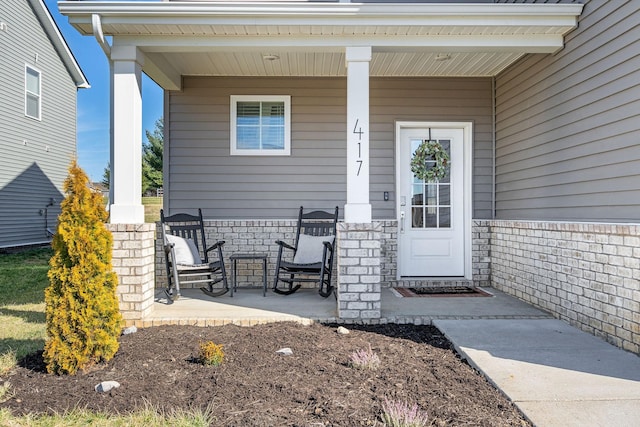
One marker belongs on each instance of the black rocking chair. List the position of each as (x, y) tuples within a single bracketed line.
[(312, 254), (187, 256)]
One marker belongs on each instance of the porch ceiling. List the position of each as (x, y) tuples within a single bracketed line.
[(309, 38), (302, 64)]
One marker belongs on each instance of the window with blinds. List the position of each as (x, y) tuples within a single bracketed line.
[(260, 125)]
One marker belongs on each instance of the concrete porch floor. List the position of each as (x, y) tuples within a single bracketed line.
[(249, 307)]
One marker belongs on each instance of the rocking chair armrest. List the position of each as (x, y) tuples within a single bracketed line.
[(168, 247), (328, 245), (216, 245), (285, 245)]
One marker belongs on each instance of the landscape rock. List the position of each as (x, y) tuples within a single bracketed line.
[(285, 351), (107, 386), (342, 330), (130, 330)]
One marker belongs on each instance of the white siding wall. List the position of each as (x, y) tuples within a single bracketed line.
[(568, 125), (201, 173), (35, 154)]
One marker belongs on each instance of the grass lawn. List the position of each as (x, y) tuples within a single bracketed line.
[(152, 206), (23, 279)]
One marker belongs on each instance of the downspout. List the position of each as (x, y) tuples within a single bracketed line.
[(493, 147), (165, 159), (96, 23)]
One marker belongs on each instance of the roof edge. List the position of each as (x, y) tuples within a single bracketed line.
[(60, 44), (123, 8)]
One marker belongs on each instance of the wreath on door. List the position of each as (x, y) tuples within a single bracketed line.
[(430, 151)]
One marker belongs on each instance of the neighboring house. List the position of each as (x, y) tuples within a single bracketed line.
[(273, 105), (39, 78), (99, 187)]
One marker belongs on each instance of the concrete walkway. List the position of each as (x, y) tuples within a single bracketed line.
[(557, 375)]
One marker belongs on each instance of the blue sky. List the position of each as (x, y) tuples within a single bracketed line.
[(93, 103)]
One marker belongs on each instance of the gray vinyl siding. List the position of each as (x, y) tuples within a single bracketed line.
[(429, 99), (202, 174), (35, 153), (568, 125)]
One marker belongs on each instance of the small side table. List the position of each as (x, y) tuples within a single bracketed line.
[(247, 256)]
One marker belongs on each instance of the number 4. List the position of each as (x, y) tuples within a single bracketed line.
[(358, 130)]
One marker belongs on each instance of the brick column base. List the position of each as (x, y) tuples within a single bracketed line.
[(359, 271), (133, 262)]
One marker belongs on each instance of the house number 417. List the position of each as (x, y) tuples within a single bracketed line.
[(358, 131)]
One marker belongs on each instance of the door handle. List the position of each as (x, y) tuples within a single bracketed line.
[(402, 222)]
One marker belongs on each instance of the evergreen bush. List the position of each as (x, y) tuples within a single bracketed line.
[(82, 315)]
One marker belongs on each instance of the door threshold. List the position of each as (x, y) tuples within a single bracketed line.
[(430, 282)]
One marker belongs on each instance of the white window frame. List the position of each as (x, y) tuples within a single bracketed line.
[(286, 150), (38, 95)]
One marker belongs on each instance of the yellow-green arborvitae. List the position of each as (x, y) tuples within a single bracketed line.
[(82, 313)]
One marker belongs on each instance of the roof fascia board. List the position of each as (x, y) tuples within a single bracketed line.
[(310, 8), (302, 20), (60, 44), (544, 43), (324, 13)]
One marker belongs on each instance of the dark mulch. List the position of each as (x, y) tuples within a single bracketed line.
[(256, 387)]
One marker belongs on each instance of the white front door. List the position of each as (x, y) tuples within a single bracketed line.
[(432, 215)]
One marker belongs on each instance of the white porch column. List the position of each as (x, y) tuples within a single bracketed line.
[(126, 136), (358, 208)]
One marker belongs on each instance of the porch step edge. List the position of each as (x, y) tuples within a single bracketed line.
[(400, 320)]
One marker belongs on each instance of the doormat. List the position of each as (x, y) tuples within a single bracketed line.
[(446, 291)]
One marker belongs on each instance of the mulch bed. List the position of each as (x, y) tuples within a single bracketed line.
[(316, 386)]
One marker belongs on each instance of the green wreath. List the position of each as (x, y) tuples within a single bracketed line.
[(430, 150)]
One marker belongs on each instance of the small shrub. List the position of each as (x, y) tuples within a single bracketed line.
[(400, 414), (365, 359), (211, 353)]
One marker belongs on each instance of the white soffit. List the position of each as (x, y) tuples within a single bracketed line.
[(332, 64), (231, 38)]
